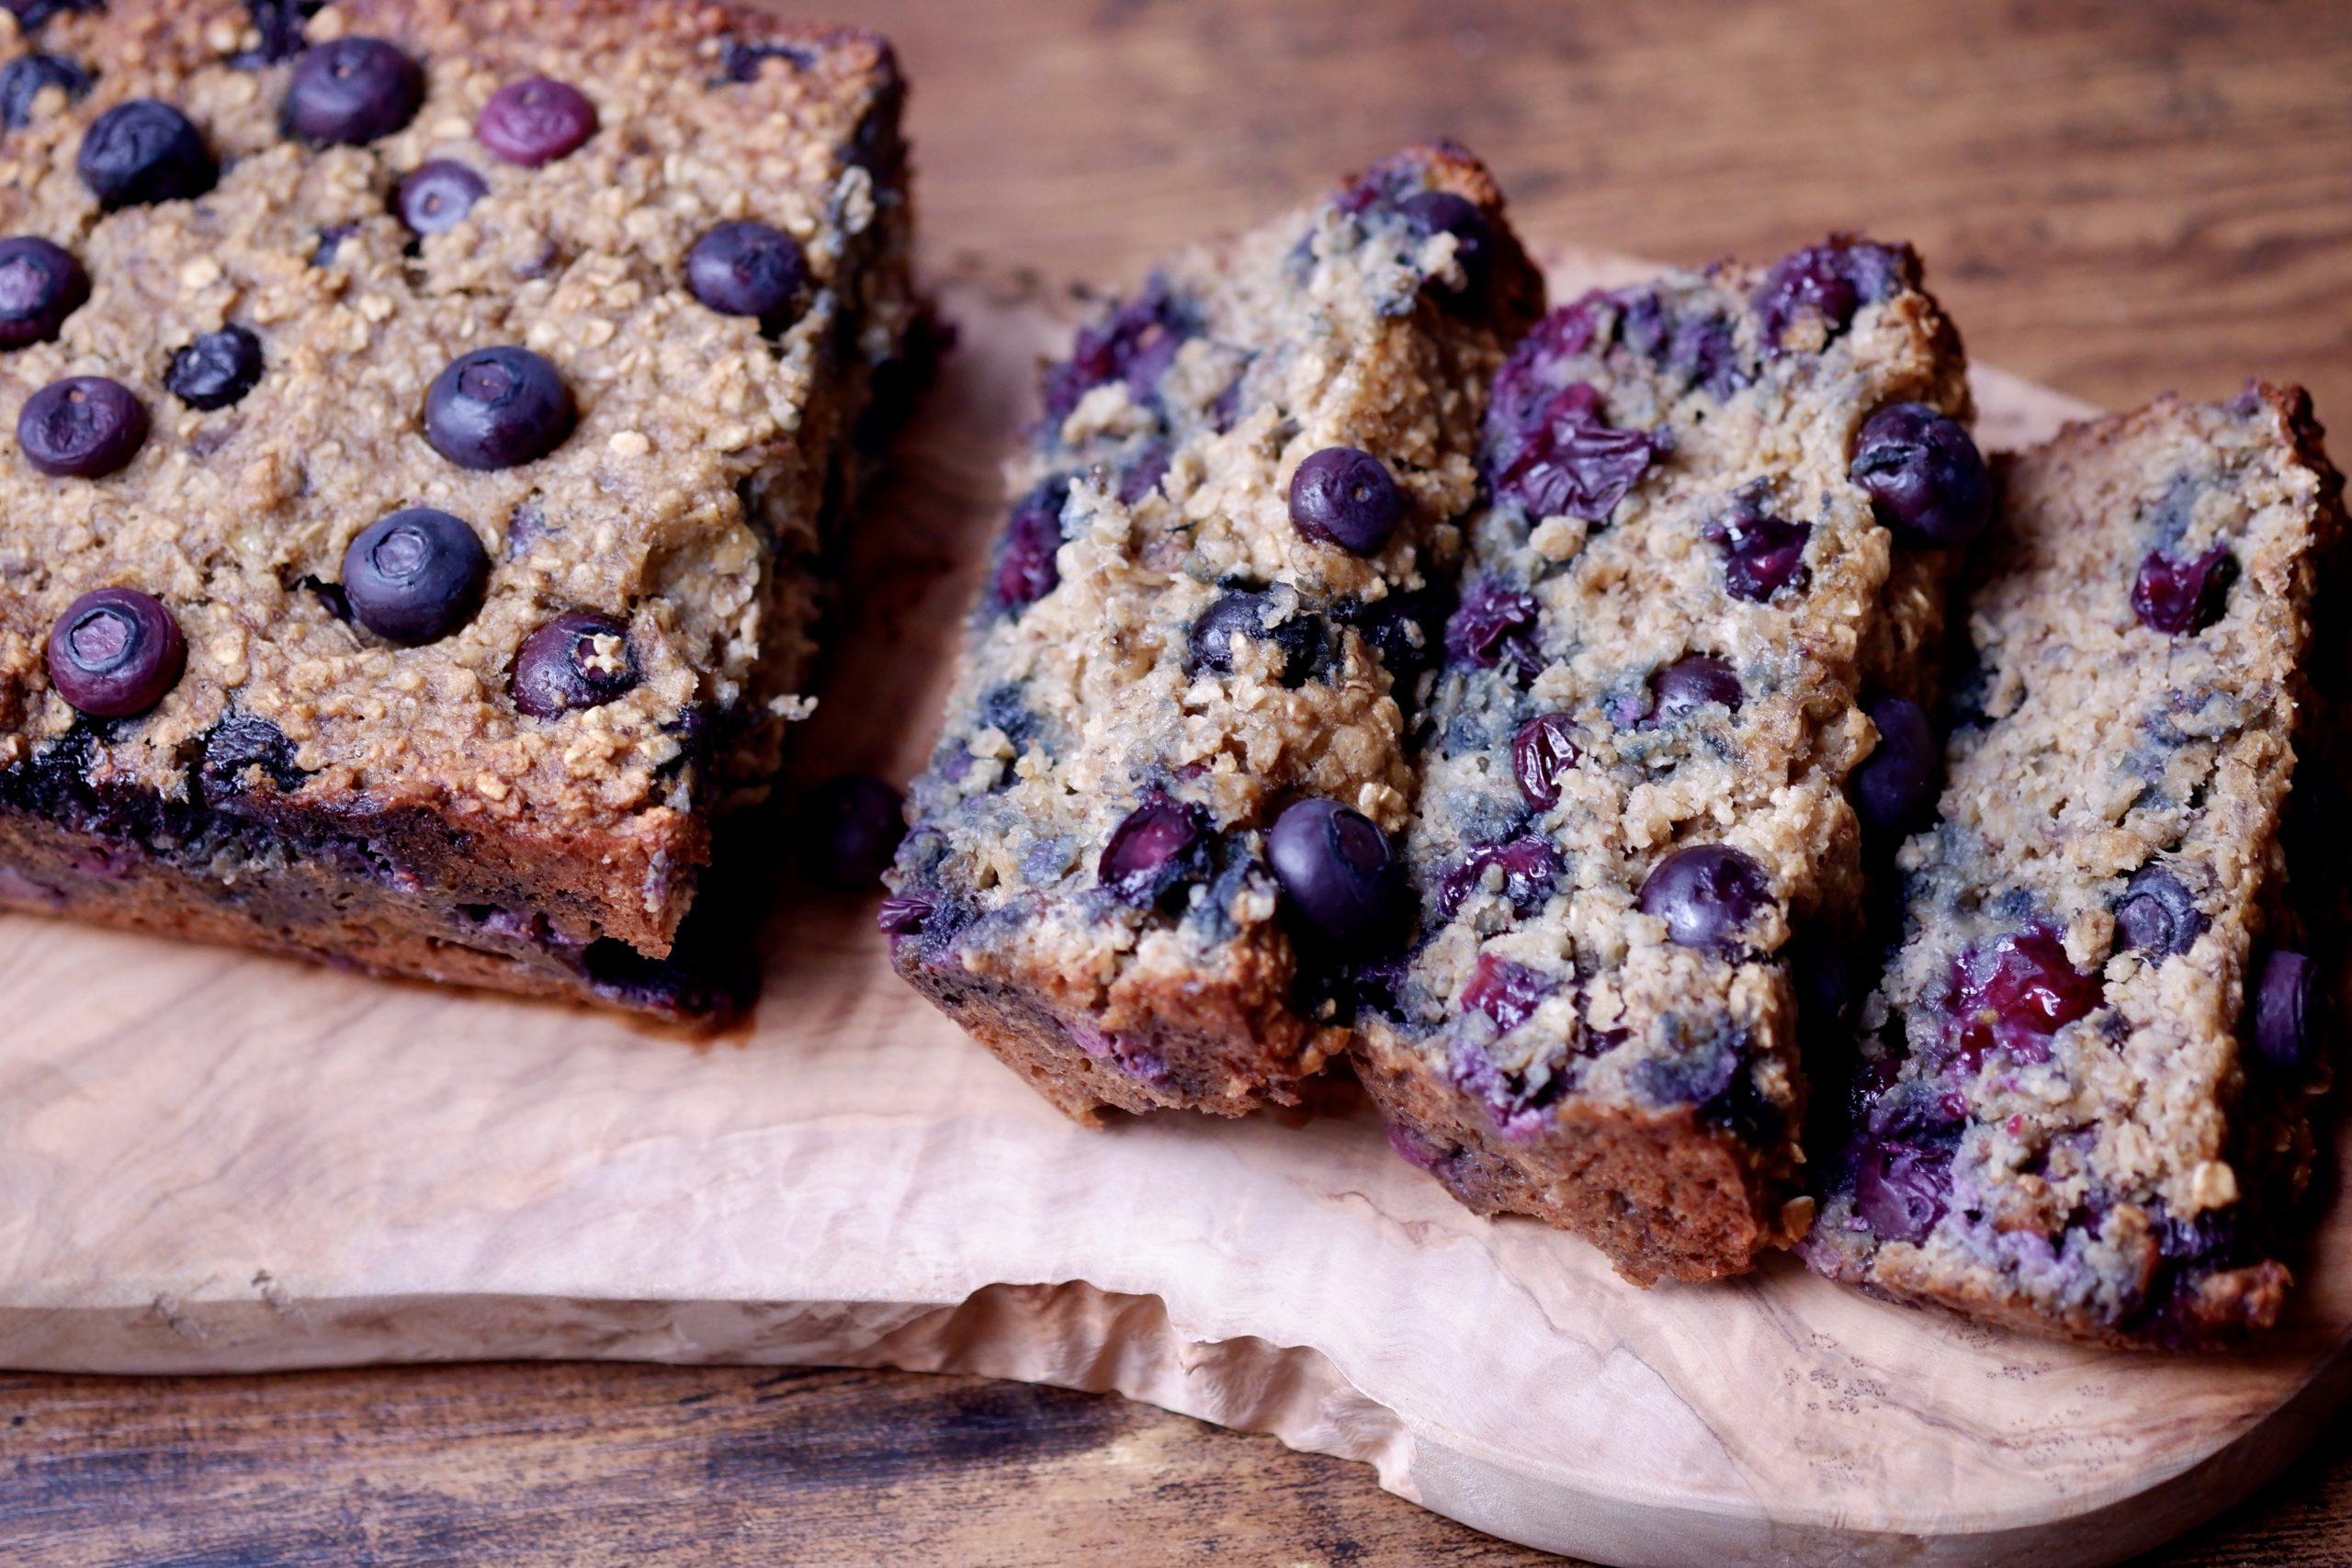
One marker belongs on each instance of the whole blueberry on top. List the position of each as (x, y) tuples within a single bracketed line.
[(144, 152), (1896, 784), (2176, 597), (2286, 996), (115, 653), (496, 408), (748, 269), (352, 90), (1157, 848), (1688, 685), (849, 828), (416, 576), (40, 285), (1444, 212), (216, 370), (434, 197), (1925, 478), (24, 78), (536, 121), (1705, 894), (577, 660), (1345, 497), (1544, 748), (2158, 915), (83, 427), (1344, 886)]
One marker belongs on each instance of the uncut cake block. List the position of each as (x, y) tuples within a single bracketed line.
[(2081, 1106), (1155, 820), (449, 404)]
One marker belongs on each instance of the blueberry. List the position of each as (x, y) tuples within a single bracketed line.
[(1900, 1191), (353, 90), (577, 660), (1407, 630), (497, 406), (739, 60), (216, 370), (1442, 212), (2285, 997), (902, 914), (115, 653), (240, 743), (1925, 478), (2015, 993), (1493, 625), (748, 269), (1685, 686), (436, 196), (1706, 894), (24, 78), (40, 285), (279, 24), (32, 14), (416, 576), (536, 121), (1531, 868), (1144, 474), (1830, 281), (2176, 596), (1507, 992), (1569, 464), (83, 427), (1762, 555), (849, 830), (143, 151), (1542, 751), (1895, 787), (1345, 497), (1025, 569), (1242, 614), (1136, 344), (1335, 868), (1157, 848), (2156, 915)]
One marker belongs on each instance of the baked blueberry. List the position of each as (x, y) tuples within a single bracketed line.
[(1493, 625), (496, 408), (352, 90), (1924, 476), (748, 269), (115, 653), (2157, 916), (1507, 992), (1896, 786), (849, 827), (24, 78), (31, 15), (1530, 867), (144, 152), (1345, 497), (536, 121), (216, 370), (1543, 750), (1343, 885), (436, 196), (2283, 1004), (83, 427), (739, 59), (1295, 639), (2175, 597), (1901, 1190), (1762, 554), (1685, 686), (1026, 570), (577, 660), (1829, 281), (2013, 993), (416, 576), (1706, 894), (902, 914), (1156, 848), (278, 26), (1444, 212), (1559, 458), (40, 285)]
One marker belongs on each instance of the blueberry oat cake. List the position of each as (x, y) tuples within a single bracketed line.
[(428, 421), (1162, 801), (2080, 1106), (1724, 509)]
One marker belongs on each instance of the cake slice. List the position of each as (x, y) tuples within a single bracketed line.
[(1724, 509), (2081, 1103), (1175, 748), (429, 418)]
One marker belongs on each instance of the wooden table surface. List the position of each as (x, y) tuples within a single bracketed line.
[(2114, 199)]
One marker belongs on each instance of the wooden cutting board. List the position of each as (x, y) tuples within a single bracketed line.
[(214, 1162)]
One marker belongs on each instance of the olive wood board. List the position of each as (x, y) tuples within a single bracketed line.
[(217, 1162)]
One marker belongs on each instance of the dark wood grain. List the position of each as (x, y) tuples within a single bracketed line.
[(2114, 199)]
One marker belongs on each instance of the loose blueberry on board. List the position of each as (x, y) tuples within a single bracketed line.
[(1444, 212), (144, 152), (1346, 497), (850, 828), (1897, 786), (1542, 751), (1156, 848), (216, 370), (496, 408), (115, 653), (1495, 623), (747, 269), (2013, 993), (1762, 554), (2176, 597), (2156, 915), (83, 427), (1705, 894), (416, 576), (40, 285), (577, 660), (24, 78), (434, 197), (536, 121), (1530, 867), (1900, 1191), (1335, 868), (1925, 478), (1026, 570), (2285, 997), (1507, 992), (351, 91), (1685, 686), (1243, 613)]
